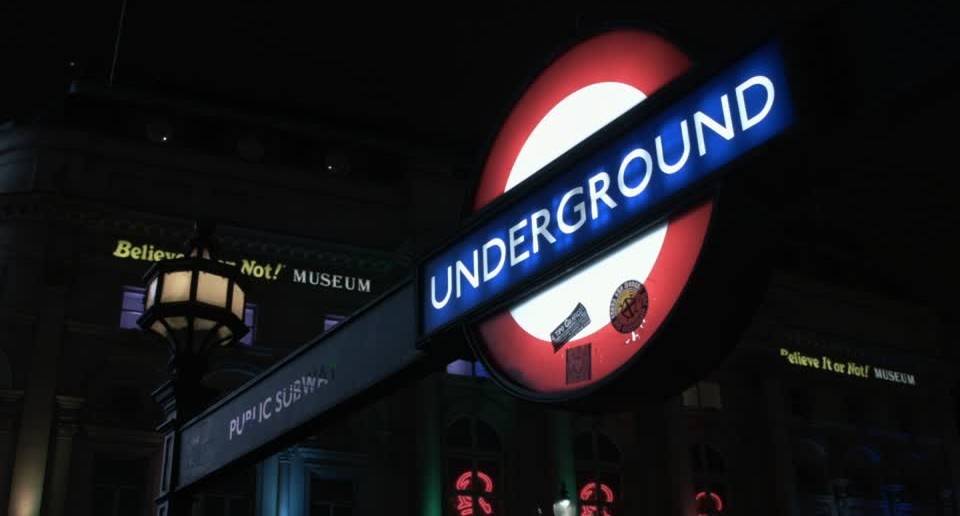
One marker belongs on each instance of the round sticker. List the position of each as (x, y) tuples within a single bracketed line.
[(628, 306), (589, 325)]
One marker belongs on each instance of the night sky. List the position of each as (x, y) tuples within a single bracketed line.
[(445, 77)]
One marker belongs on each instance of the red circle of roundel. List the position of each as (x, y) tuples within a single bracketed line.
[(645, 62)]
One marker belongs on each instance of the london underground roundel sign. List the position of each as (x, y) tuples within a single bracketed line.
[(591, 324)]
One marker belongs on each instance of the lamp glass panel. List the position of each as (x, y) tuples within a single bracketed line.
[(176, 287), (151, 293), (159, 328), (201, 324), (212, 289), (177, 323), (238, 299)]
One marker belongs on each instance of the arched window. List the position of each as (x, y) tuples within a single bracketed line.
[(709, 470), (474, 461), (598, 474), (119, 486)]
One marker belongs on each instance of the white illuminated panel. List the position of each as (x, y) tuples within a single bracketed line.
[(576, 117)]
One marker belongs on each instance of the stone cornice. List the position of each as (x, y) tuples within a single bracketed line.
[(123, 435)]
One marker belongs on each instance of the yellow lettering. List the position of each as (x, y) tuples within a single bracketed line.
[(247, 267), (135, 253), (123, 249)]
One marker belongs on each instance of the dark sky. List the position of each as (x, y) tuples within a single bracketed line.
[(446, 75)]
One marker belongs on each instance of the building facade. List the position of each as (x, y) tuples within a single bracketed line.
[(836, 401)]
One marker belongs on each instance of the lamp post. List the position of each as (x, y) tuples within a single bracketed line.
[(195, 303)]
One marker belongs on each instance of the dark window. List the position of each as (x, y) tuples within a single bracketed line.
[(473, 468), (598, 474), (703, 395), (250, 319), (709, 484), (119, 487), (459, 434), (329, 321), (126, 401), (800, 403), (905, 419), (131, 307), (226, 505), (715, 463), (330, 497), (709, 499), (598, 494), (467, 368), (855, 410), (487, 438)]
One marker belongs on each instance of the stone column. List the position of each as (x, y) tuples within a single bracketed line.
[(68, 424), (268, 477), (36, 423), (291, 494)]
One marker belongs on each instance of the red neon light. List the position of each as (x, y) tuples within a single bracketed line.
[(465, 502), (587, 495), (717, 502)]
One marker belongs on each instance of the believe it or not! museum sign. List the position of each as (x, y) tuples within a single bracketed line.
[(259, 269), (570, 210), (843, 367)]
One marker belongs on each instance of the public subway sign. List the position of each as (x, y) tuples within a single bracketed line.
[(680, 147), (308, 382)]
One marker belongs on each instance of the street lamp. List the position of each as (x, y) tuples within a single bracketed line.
[(563, 506), (195, 303)]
